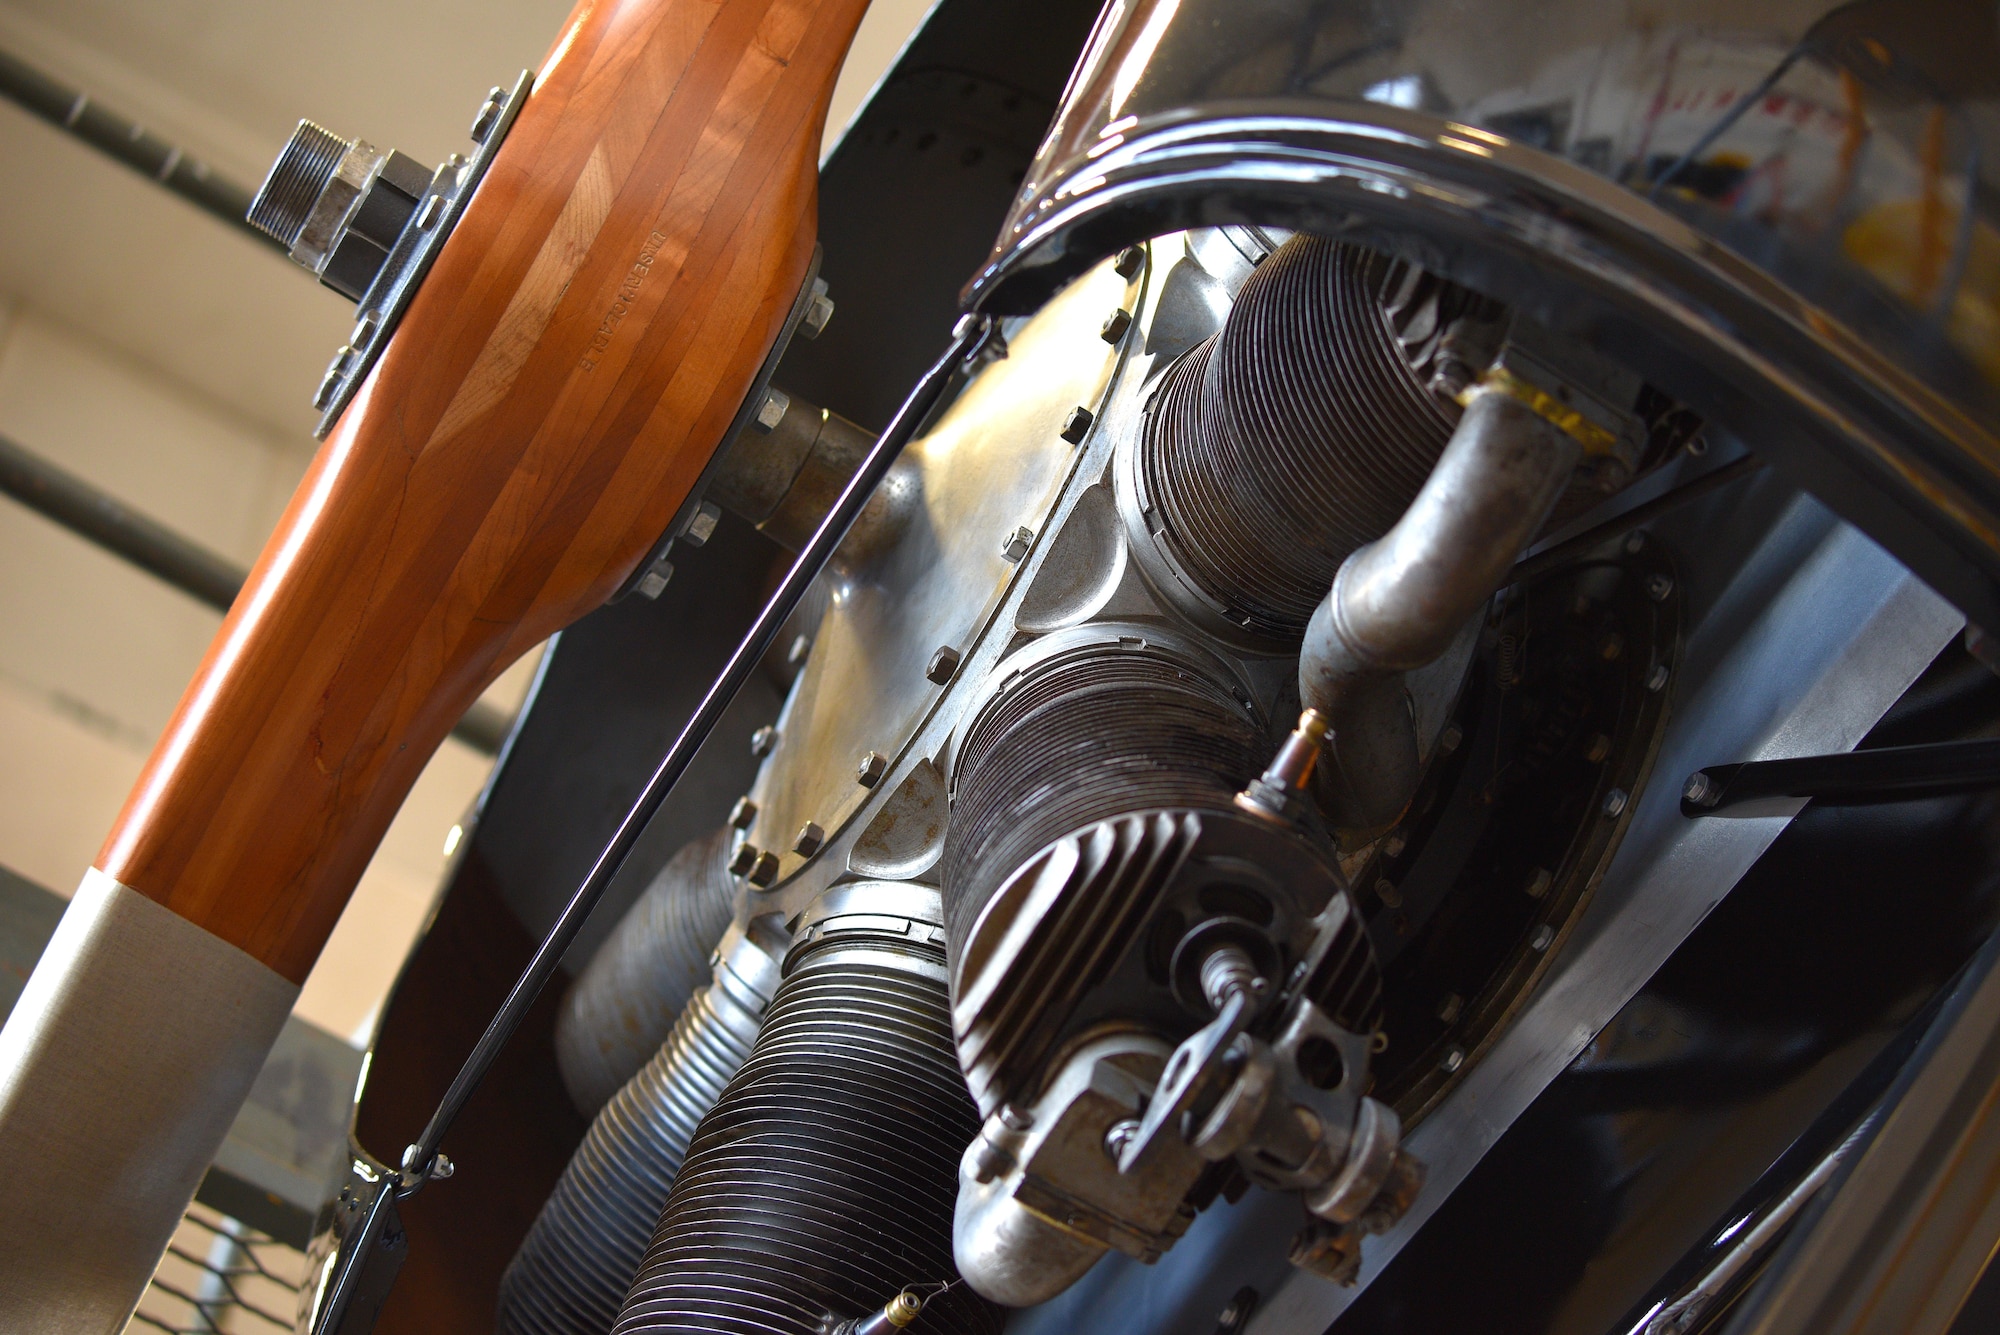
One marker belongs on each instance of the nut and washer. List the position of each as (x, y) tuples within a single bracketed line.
[(811, 839), (764, 870), (762, 740), (1115, 325), (943, 665), (1015, 545), (744, 814), (1077, 425), (871, 769), (1700, 790)]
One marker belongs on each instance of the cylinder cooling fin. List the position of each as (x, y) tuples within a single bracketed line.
[(1301, 431), (821, 1184)]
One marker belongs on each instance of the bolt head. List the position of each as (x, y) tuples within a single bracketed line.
[(1700, 790), (871, 769), (1077, 426), (1543, 938), (1614, 802), (1130, 260), (1634, 543), (763, 740), (701, 527), (818, 312), (1115, 325), (1014, 547), (745, 858), (943, 665), (1659, 586), (1118, 1135), (1538, 884), (801, 650), (764, 870), (743, 815), (773, 409), (1656, 680), (654, 580), (1450, 739), (1453, 1059), (489, 112), (812, 837)]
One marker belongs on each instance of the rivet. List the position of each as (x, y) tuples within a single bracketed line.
[(811, 837), (1614, 802), (1015, 545), (743, 815), (1130, 260), (871, 769), (1543, 938), (1077, 426), (762, 740), (1115, 325), (943, 665), (764, 870)]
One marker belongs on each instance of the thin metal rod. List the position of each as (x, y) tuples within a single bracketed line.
[(1626, 520), (74, 112), (1880, 774), (968, 340), (1728, 119), (99, 518)]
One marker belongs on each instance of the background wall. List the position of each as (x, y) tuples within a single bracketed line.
[(168, 360)]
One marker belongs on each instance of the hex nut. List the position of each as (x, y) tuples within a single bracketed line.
[(746, 858), (773, 409), (764, 870), (1115, 325), (811, 839), (743, 815), (1543, 938), (943, 665), (1130, 260), (1656, 680), (813, 323), (763, 740), (1700, 790), (1078, 425), (1614, 802), (1538, 884), (871, 769), (1014, 547), (1659, 586), (701, 527), (489, 112)]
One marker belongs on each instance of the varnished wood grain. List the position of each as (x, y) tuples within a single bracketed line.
[(552, 394)]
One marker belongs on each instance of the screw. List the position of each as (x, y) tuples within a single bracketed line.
[(1130, 260), (1614, 802), (1115, 325), (701, 525), (810, 839), (1656, 680), (746, 858), (1659, 586), (762, 740), (1118, 1135), (764, 870), (1453, 1059), (1538, 884), (871, 769), (813, 323), (801, 649), (943, 665), (743, 814), (489, 112), (1543, 938), (773, 409), (1078, 425), (1015, 545), (1700, 790)]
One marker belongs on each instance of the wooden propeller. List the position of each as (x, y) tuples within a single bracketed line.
[(550, 398)]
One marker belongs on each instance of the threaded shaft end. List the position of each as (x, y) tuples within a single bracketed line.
[(578, 1260), (286, 198), (823, 1181)]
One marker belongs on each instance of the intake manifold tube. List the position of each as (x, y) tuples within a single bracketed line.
[(1398, 603)]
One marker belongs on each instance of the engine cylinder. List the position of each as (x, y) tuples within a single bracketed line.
[(1114, 727), (1297, 434), (822, 1183), (578, 1259)]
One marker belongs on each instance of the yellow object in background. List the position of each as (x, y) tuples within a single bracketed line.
[(1890, 241)]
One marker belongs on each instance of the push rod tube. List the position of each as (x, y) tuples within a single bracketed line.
[(1398, 602)]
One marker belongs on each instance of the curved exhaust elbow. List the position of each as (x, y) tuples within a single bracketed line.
[(1398, 602)]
